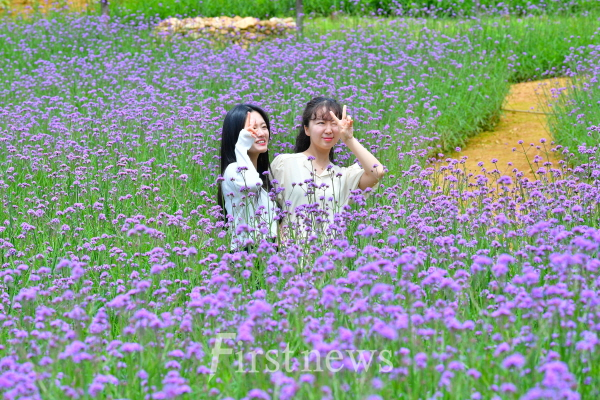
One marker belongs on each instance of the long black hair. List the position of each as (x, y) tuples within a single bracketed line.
[(234, 122), (316, 108)]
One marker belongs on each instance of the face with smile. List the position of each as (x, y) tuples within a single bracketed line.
[(323, 130), (256, 125)]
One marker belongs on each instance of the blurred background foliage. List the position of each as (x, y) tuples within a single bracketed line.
[(314, 8)]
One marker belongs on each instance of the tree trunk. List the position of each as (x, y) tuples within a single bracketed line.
[(299, 16), (104, 7)]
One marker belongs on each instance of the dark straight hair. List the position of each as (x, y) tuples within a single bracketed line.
[(234, 122), (316, 108)]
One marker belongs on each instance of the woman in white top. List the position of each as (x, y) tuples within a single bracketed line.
[(245, 185), (316, 188)]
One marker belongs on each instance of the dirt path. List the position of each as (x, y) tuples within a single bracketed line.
[(513, 127)]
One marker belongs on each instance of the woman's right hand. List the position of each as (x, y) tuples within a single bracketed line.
[(346, 125)]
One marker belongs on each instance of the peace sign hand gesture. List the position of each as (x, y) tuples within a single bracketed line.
[(345, 125)]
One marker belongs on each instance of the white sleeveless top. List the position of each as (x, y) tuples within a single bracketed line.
[(329, 190)]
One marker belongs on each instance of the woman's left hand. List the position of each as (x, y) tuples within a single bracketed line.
[(345, 125), (251, 125)]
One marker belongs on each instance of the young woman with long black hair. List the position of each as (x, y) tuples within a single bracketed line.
[(244, 189), (311, 180)]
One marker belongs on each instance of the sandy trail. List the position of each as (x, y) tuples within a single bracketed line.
[(513, 127)]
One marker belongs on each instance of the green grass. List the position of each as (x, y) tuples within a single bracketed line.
[(538, 46), (286, 8)]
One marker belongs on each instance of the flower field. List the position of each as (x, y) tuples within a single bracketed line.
[(117, 281), (575, 108)]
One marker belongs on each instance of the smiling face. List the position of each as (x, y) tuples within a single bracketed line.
[(258, 127), (323, 130)]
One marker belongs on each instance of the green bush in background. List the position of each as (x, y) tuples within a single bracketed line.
[(286, 8)]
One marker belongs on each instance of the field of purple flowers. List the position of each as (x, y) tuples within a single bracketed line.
[(577, 107), (117, 279)]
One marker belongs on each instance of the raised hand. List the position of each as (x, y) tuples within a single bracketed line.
[(251, 125), (345, 125), (374, 171)]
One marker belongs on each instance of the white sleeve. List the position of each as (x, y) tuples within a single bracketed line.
[(277, 168), (243, 173), (352, 176)]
